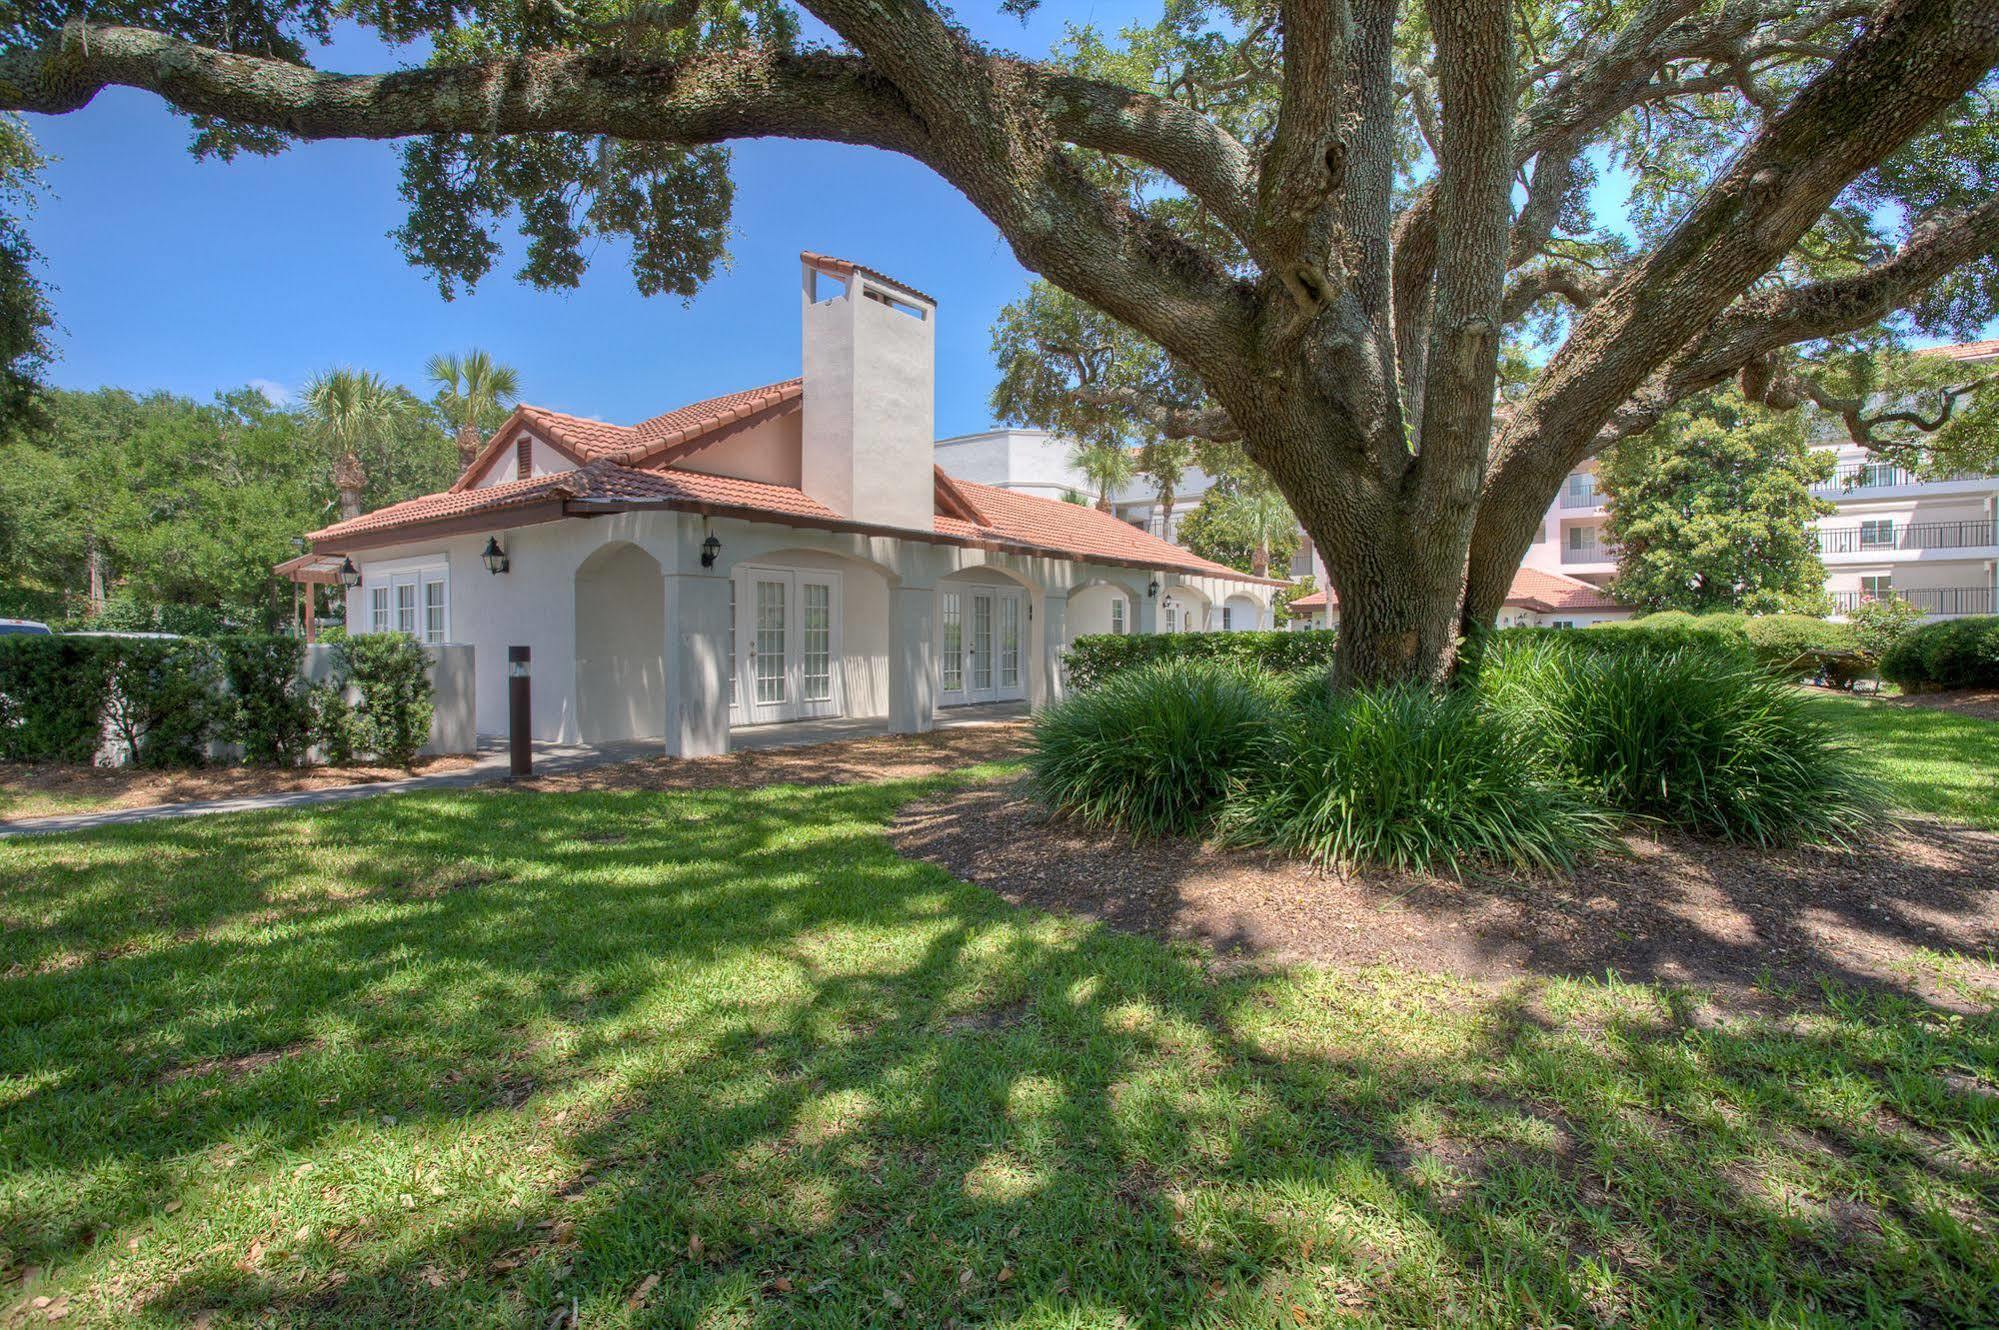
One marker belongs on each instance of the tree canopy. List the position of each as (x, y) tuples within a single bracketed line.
[(1419, 259)]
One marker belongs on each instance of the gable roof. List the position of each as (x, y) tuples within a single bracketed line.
[(671, 434), (1532, 589), (1972, 351)]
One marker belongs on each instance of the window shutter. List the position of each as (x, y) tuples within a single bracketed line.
[(523, 458)]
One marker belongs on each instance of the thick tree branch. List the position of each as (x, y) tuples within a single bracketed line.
[(1172, 420), (1305, 164), (1782, 392)]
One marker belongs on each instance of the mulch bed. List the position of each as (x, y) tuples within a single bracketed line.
[(1980, 702), (1677, 910), (846, 762), (132, 787)]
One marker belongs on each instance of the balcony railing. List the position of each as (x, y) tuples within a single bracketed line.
[(1909, 536), (1880, 475), (1587, 554), (1945, 602), (1586, 498)]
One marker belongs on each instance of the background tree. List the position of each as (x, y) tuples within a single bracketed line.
[(1340, 226), (25, 318), (1165, 462), (1107, 464), (1244, 523), (353, 412), (474, 393), (1712, 509)]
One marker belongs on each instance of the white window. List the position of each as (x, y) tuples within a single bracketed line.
[(1582, 537), (406, 606), (954, 643), (378, 609), (1878, 587), (435, 617), (1117, 615), (412, 601), (1227, 614), (1877, 534), (1563, 623), (1172, 617), (732, 642)]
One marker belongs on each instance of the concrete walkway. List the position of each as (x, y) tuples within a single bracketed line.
[(491, 767)]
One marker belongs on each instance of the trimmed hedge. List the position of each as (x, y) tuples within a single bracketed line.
[(1951, 653), (164, 699), (392, 675), (1096, 657), (269, 711), (53, 691)]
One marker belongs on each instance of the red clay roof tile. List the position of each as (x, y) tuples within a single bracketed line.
[(1532, 589)]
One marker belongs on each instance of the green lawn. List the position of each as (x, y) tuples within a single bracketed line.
[(1934, 762), (723, 1059)]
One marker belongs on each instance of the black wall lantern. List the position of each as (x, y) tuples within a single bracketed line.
[(1152, 589), (350, 576), (710, 548), (493, 556)]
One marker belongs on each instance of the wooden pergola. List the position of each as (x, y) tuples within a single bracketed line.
[(304, 573)]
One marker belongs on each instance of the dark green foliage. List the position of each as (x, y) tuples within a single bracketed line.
[(1951, 653), (52, 694), (1408, 778), (162, 704), (1093, 659), (270, 706), (1153, 750), (334, 731), (1784, 643), (392, 675), (1693, 737)]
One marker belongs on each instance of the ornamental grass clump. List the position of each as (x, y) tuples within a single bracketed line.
[(1153, 750), (1409, 778), (1691, 737)]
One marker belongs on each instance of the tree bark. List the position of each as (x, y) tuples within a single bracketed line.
[(470, 441), (350, 480)]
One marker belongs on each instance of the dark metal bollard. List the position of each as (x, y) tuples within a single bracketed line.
[(520, 715)]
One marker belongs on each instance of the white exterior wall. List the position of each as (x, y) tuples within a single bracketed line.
[(505, 466)]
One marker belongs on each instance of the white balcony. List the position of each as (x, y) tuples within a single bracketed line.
[(1864, 481), (1946, 602), (1909, 542)]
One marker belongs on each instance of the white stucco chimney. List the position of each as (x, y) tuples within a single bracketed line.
[(870, 394)]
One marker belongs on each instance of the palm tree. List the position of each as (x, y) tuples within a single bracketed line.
[(473, 392), (1262, 518), (1107, 464), (1164, 462), (352, 410)]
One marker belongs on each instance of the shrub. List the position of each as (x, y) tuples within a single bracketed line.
[(1094, 658), (1408, 778), (52, 694), (1152, 750), (161, 705), (128, 614), (332, 720), (1881, 621), (269, 710), (1693, 737), (392, 675), (1950, 653), (1783, 643)]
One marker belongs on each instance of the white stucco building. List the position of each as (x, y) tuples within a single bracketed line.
[(1932, 543), (790, 552)]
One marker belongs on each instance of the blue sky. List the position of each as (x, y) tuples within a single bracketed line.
[(198, 276)]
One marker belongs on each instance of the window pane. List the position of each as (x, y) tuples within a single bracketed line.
[(732, 641), (433, 611), (982, 642), (817, 682), (378, 605), (1010, 642), (1117, 617), (768, 662), (954, 644), (406, 608)]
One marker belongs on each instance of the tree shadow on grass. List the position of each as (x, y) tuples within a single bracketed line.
[(731, 1045)]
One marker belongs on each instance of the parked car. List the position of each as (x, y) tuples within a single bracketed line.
[(31, 627), (160, 637)]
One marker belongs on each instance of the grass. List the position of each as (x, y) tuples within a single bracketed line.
[(723, 1059), (1934, 762)]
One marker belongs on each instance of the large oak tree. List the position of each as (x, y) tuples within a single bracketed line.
[(1327, 215)]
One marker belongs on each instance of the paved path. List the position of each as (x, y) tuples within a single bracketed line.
[(491, 766)]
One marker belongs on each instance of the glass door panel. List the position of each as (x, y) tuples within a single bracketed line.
[(982, 642), (767, 656), (954, 642), (1009, 643)]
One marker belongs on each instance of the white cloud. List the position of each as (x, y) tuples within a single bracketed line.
[(274, 392)]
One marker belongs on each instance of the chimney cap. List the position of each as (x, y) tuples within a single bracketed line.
[(845, 268)]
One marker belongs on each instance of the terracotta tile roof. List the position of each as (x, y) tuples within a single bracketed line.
[(451, 503), (1532, 589), (847, 268), (1986, 350), (1078, 532), (585, 440)]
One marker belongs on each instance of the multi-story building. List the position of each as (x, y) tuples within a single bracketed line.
[(1931, 542)]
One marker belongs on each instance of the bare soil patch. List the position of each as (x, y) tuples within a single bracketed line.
[(49, 790), (846, 762), (1917, 912), (1982, 703)]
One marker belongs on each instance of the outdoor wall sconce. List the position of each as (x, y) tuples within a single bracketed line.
[(494, 557), (709, 549), (1152, 589), (350, 576)]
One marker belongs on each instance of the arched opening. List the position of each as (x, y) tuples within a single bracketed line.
[(620, 646), (985, 646), (809, 637), (1182, 609), (1241, 614), (1102, 607)]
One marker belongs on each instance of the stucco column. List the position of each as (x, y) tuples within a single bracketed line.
[(697, 662), (1145, 609), (1045, 686), (912, 669)]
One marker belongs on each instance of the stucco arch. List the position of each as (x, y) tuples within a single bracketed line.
[(1189, 600), (864, 605), (620, 645), (1246, 612)]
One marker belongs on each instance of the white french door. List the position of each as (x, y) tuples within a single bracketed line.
[(787, 658), (984, 648)]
